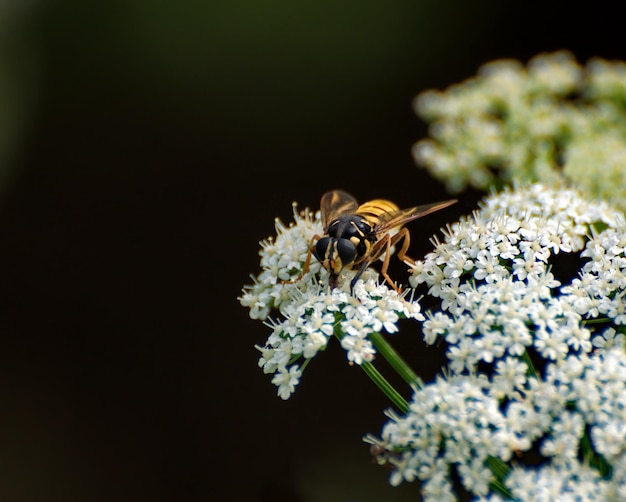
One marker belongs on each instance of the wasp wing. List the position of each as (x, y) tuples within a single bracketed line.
[(396, 219), (334, 204)]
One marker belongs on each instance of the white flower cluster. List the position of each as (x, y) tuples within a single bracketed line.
[(601, 288), (534, 361), (282, 260), (574, 482), (585, 391), (460, 421), (552, 120), (451, 421), (313, 316), (308, 313)]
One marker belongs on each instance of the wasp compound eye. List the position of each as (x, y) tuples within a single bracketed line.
[(346, 251), (323, 249)]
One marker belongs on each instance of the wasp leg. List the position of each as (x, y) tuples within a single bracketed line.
[(357, 276), (384, 246), (405, 247), (307, 262), (389, 241)]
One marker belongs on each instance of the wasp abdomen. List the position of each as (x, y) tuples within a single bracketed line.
[(373, 210)]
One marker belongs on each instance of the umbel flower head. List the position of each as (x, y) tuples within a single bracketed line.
[(553, 120), (304, 314), (532, 316)]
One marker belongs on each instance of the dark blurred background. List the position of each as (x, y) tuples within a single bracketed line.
[(145, 149)]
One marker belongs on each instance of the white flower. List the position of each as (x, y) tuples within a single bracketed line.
[(438, 488), (610, 338), (286, 381), (358, 347), (510, 377), (476, 477), (566, 432)]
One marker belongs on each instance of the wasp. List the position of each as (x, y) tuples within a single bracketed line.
[(355, 235)]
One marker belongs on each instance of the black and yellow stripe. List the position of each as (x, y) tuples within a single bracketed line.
[(375, 211)]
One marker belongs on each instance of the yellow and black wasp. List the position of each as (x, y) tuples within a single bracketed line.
[(356, 235)]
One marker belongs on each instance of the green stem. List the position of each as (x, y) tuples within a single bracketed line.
[(498, 467), (532, 372), (394, 359), (596, 460), (599, 320), (380, 381), (501, 471), (385, 386), (498, 487)]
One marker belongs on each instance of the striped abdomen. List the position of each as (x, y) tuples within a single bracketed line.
[(374, 211)]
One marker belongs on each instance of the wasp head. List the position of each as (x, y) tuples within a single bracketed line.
[(334, 254)]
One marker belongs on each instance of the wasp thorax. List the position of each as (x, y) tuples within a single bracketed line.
[(334, 254)]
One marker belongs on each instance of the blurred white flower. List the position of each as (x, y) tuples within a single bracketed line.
[(551, 121)]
